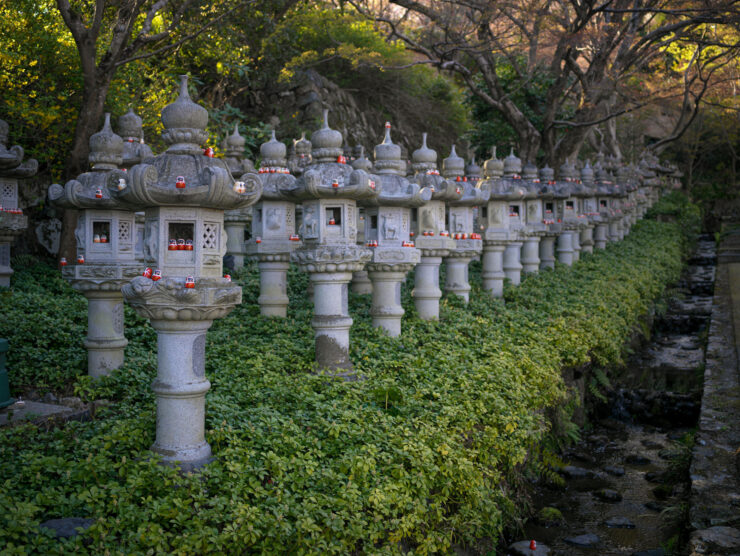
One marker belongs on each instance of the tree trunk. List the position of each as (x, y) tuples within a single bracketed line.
[(88, 122)]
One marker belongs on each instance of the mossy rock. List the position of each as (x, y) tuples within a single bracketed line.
[(549, 517)]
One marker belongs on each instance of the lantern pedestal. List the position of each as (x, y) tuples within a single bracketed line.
[(11, 226), (235, 225), (456, 278), (5, 271), (330, 269), (565, 247), (530, 257), (547, 251), (386, 307), (273, 299), (181, 316), (361, 283), (492, 274), (105, 341), (512, 264), (613, 233), (426, 284), (600, 235), (576, 239), (587, 239)]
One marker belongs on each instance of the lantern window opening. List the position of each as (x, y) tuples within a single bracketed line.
[(334, 216), (602, 203), (374, 221), (484, 212), (101, 233), (181, 230), (514, 210), (549, 207), (569, 205)]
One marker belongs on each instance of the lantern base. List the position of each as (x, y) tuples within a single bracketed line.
[(386, 307), (426, 288), (456, 277), (331, 322), (361, 283), (493, 268), (547, 252), (512, 262), (530, 257), (565, 248), (600, 236), (273, 299)]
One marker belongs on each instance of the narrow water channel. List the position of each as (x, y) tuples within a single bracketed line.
[(626, 482)]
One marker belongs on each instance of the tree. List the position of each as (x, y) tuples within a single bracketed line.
[(594, 55)]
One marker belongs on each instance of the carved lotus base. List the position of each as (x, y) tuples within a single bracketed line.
[(466, 248), (169, 300), (271, 248), (394, 257), (11, 226), (337, 258)]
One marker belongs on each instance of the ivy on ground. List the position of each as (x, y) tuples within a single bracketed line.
[(414, 456)]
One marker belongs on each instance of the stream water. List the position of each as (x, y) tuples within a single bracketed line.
[(626, 482)]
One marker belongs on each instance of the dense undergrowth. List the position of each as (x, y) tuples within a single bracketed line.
[(420, 455)]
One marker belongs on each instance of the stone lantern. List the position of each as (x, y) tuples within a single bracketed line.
[(565, 202), (328, 191), (473, 172), (12, 219), (361, 283), (584, 232), (184, 194), (535, 227), (589, 208), (431, 234), (514, 217), (274, 235), (388, 232), (502, 221), (461, 226), (236, 221), (135, 151), (549, 217), (606, 230), (106, 254), (300, 155)]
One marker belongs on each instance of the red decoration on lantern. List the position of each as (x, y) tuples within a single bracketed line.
[(295, 237), (189, 245), (62, 262), (258, 239), (444, 233), (157, 275), (411, 234), (228, 277), (173, 245), (372, 184), (332, 222), (335, 184), (190, 282), (208, 151), (532, 545), (180, 183), (458, 190), (80, 259), (458, 178), (103, 238), (341, 160), (147, 273), (98, 193), (181, 245)]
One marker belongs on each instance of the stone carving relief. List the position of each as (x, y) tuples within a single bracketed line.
[(151, 236), (309, 227), (389, 228), (272, 219)]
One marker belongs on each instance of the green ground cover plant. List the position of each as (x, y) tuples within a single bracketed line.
[(420, 454)]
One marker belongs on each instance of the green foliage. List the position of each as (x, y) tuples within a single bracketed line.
[(528, 92), (419, 452)]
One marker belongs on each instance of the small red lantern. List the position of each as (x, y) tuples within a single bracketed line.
[(227, 277), (341, 160), (465, 178), (532, 545), (181, 245), (80, 259), (457, 236), (332, 222), (190, 282), (96, 238), (411, 234), (208, 151), (103, 238), (272, 170), (147, 273), (63, 262), (335, 184), (431, 233), (98, 193), (425, 233), (295, 237), (180, 183), (258, 239), (458, 178), (173, 245), (157, 275), (444, 233), (463, 236), (189, 245)]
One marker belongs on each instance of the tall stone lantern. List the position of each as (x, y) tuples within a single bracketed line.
[(184, 194), (515, 219), (535, 226), (491, 222), (274, 235), (430, 229), (388, 232), (588, 207), (461, 225), (361, 283), (237, 221), (553, 227), (328, 191), (605, 191), (106, 254), (566, 214), (12, 219)]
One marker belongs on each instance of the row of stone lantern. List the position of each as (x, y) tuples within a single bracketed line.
[(168, 263)]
